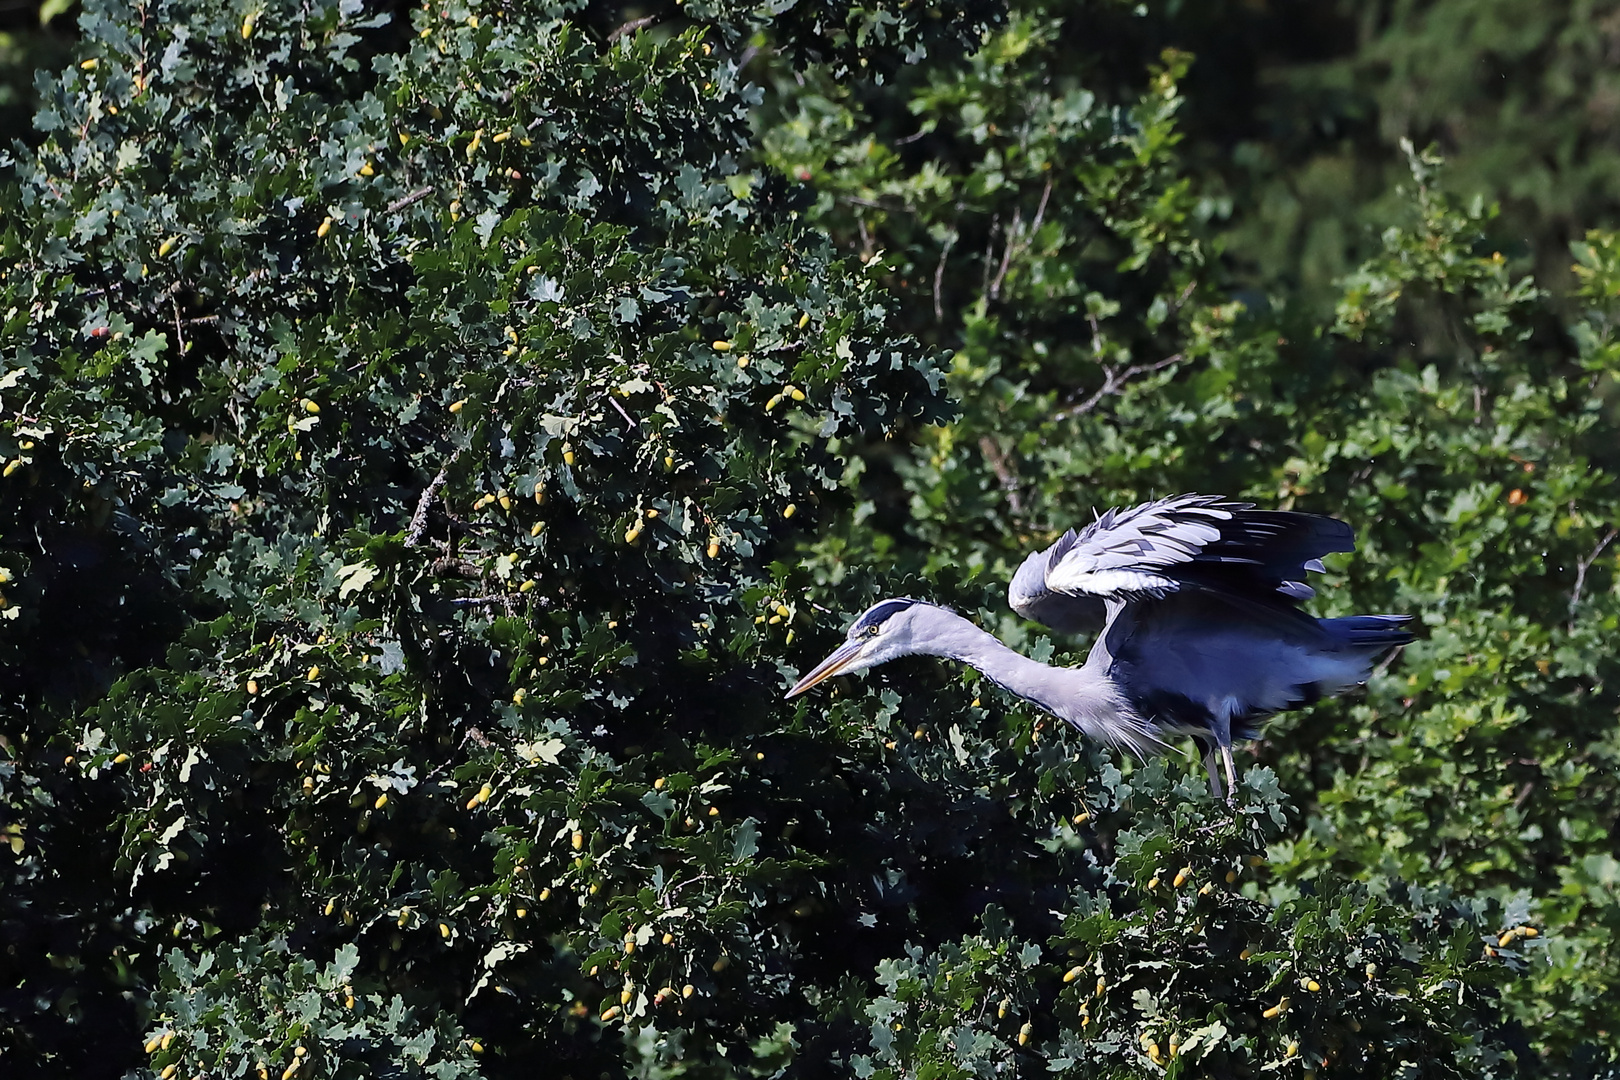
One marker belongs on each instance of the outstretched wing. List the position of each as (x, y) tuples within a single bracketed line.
[(1163, 547)]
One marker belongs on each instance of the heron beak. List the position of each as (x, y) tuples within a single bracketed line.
[(842, 658)]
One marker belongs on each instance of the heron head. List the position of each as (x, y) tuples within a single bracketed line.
[(882, 632)]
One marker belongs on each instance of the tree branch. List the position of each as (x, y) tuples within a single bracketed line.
[(419, 520), (1003, 471), (1581, 567), (407, 200), (1114, 381)]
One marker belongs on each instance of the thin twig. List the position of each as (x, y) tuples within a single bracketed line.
[(1581, 567), (407, 200), (1114, 380), (1003, 471), (1007, 250), (419, 520), (1017, 243), (483, 601), (179, 331), (939, 277), (629, 423)]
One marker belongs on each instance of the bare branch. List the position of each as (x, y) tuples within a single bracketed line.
[(1017, 242), (419, 520), (1004, 473), (631, 27), (1012, 245), (939, 277), (1114, 381), (408, 200), (629, 423), (1581, 568)]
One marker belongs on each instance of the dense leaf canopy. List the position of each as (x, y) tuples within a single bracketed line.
[(434, 438)]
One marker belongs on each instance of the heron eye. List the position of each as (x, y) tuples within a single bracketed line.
[(872, 631)]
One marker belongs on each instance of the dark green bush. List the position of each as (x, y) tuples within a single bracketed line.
[(434, 438)]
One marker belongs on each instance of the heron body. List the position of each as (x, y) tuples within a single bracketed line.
[(1201, 633)]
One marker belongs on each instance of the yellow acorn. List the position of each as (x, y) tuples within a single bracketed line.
[(477, 141), (793, 392), (538, 528), (539, 492), (1001, 1010), (568, 456), (713, 550), (169, 1070), (444, 931), (789, 510), (803, 319), (578, 840), (720, 964), (611, 1013), (311, 407), (249, 21), (152, 1045), (314, 672), (633, 533), (1082, 817), (527, 586), (457, 406), (776, 399), (722, 346), (324, 228), (1276, 1010), (382, 801), (518, 695), (90, 64), (1312, 985), (742, 361), (658, 784), (1024, 1033), (1073, 974), (367, 170), (504, 499), (168, 246), (12, 466), (688, 990), (120, 759), (545, 894), (1231, 876), (331, 905), (667, 939), (1181, 877)]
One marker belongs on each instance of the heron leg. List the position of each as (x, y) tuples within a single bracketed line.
[(1231, 771), (1223, 738), (1209, 767)]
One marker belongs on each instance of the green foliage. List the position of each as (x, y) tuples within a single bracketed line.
[(431, 447)]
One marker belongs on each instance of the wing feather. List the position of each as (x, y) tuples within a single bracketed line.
[(1158, 548)]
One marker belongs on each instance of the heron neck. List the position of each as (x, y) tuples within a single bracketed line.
[(1006, 667)]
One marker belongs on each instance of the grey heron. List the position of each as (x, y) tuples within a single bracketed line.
[(1201, 634)]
